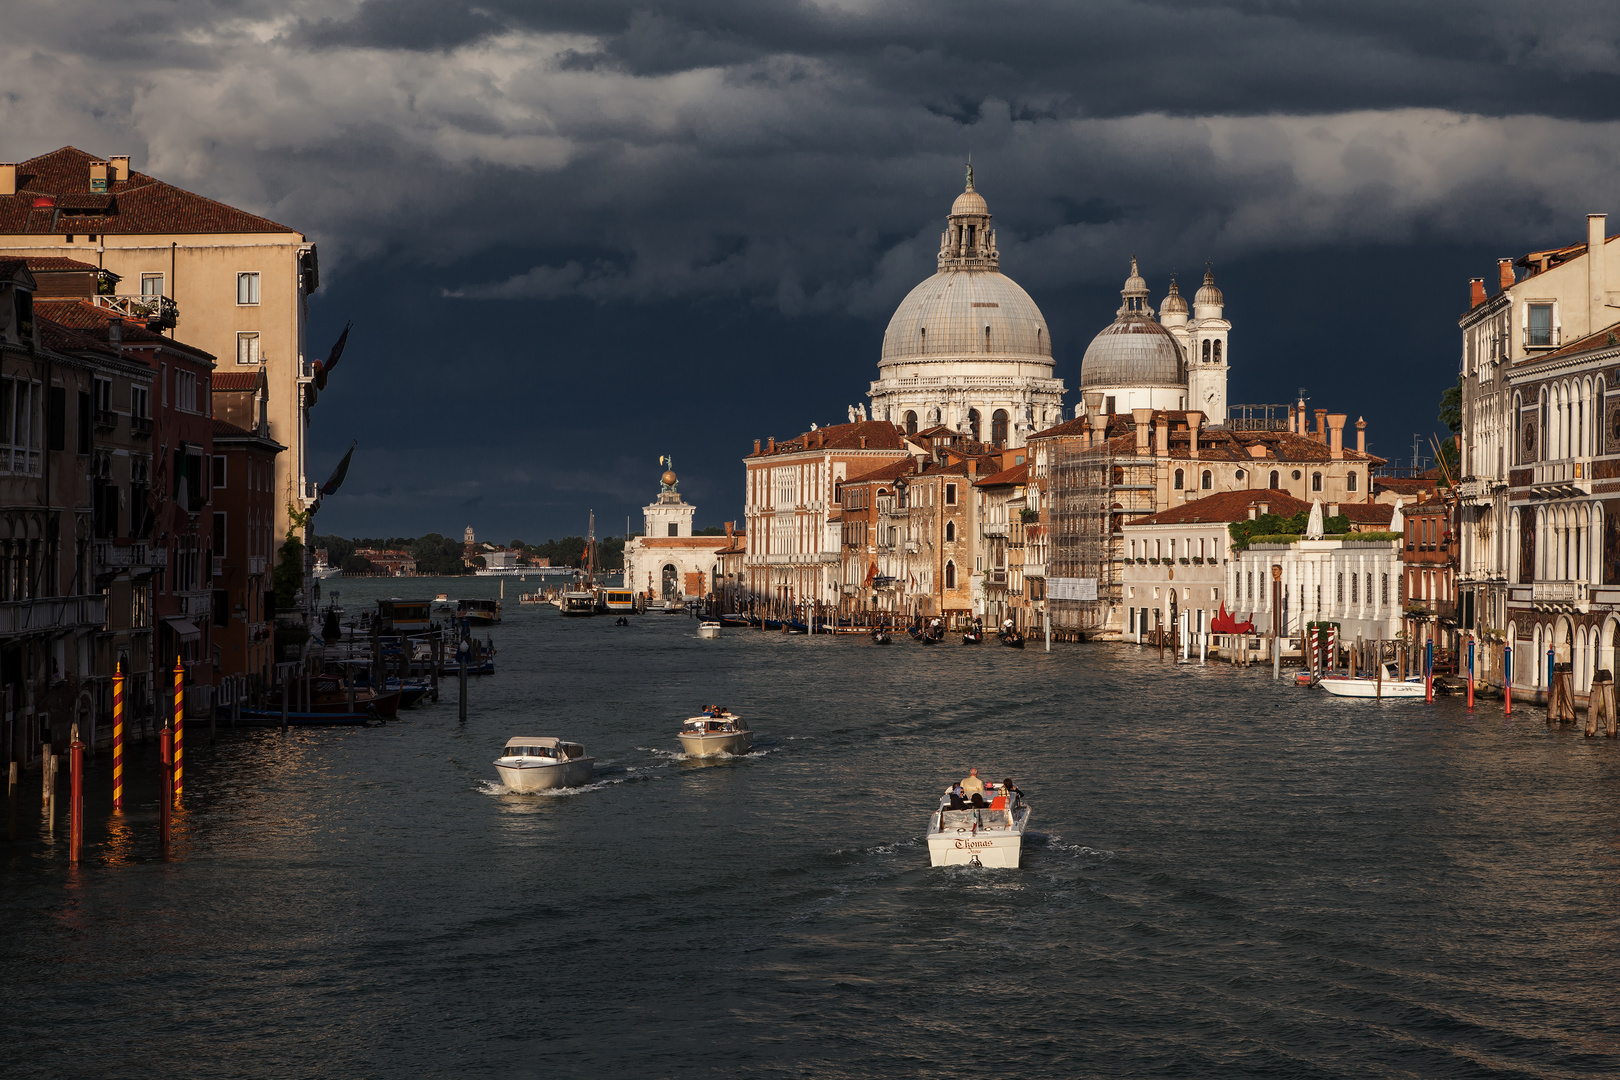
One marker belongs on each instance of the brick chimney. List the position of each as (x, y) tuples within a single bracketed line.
[(1292, 420), (1320, 434), (863, 442), (1195, 420), (1597, 281), (771, 446), (98, 176), (1504, 274), (1361, 440), (1336, 435), (8, 178), (1143, 419), (756, 446), (1476, 292), (1254, 511), (120, 167), (1161, 436)]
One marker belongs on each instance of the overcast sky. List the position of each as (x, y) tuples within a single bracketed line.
[(576, 235)]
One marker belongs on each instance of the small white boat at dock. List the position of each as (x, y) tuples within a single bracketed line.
[(536, 763), (708, 630), (1363, 686), (988, 835), (713, 734)]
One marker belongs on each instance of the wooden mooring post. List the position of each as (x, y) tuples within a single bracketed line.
[(1600, 703), (1561, 695)]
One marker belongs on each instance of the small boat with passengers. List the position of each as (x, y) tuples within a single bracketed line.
[(478, 612), (717, 731), (1364, 686), (983, 830), (538, 763), (708, 629)]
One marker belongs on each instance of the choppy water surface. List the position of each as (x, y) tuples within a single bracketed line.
[(1230, 878)]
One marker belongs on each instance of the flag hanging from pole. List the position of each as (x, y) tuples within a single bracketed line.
[(342, 470), (323, 368)]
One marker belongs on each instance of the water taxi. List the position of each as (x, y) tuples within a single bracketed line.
[(1362, 686), (708, 629), (479, 612), (533, 598), (988, 835), (536, 763), (717, 731)]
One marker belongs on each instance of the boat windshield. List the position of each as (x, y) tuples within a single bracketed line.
[(531, 751)]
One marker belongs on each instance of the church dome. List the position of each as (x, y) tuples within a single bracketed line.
[(967, 312), (1174, 302), (1133, 352), (970, 202), (1207, 293)]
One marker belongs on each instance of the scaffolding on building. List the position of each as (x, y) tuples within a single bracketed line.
[(1093, 494)]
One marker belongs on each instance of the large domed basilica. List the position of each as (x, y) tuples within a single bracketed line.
[(1177, 361), (968, 348)]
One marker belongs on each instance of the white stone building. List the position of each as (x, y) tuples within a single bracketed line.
[(968, 348), (666, 562), (1353, 582)]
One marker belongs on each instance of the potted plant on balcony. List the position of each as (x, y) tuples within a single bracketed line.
[(1154, 560)]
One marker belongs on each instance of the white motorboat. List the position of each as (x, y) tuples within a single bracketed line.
[(708, 629), (1361, 686), (713, 734), (536, 763), (991, 835)]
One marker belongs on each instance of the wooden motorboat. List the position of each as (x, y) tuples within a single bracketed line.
[(708, 629), (716, 733), (479, 612), (538, 763), (991, 835)]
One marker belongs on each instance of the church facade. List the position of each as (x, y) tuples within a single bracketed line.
[(666, 562)]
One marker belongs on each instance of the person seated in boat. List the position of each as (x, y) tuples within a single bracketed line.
[(1009, 788), (971, 784), (957, 802), (976, 801)]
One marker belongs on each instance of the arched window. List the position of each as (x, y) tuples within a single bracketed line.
[(1217, 352), (973, 424), (911, 423), (1206, 350), (1208, 480), (950, 575), (998, 427), (950, 531), (1178, 480), (1350, 480), (1316, 481), (1276, 480)]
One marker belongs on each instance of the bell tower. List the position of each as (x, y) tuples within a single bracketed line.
[(669, 515), (1208, 359)]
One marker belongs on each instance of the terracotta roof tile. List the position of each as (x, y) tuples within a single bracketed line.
[(140, 204), (66, 339), (1018, 474), (1227, 506), (879, 434), (86, 317), (238, 380), (47, 263)]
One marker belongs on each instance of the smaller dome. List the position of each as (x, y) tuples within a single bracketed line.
[(1132, 352), (1135, 285), (1208, 293), (1174, 302), (669, 478), (970, 202)]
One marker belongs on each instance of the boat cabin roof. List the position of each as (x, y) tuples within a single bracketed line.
[(535, 740)]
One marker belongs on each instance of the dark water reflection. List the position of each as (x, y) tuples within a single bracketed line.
[(1231, 878)]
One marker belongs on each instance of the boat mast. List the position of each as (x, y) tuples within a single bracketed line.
[(590, 548)]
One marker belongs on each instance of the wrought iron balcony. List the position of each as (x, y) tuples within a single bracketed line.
[(156, 312), (140, 426), (137, 555), (52, 614)]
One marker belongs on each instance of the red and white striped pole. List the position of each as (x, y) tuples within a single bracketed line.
[(118, 739), (179, 729)]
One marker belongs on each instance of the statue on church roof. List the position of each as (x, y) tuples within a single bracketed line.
[(669, 479)]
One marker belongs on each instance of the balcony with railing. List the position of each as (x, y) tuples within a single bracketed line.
[(994, 528), (105, 419), (1542, 337), (140, 427), (156, 312), (135, 555), (52, 614), (1561, 595), (1569, 476)]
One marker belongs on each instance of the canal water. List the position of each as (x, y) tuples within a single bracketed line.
[(1229, 878)]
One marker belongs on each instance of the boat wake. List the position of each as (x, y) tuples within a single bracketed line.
[(676, 755), (628, 776), (1056, 843)]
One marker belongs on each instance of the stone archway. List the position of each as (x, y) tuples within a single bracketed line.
[(669, 586), (1563, 640)]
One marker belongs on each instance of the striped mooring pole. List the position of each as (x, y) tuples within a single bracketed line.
[(179, 728), (118, 739)]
